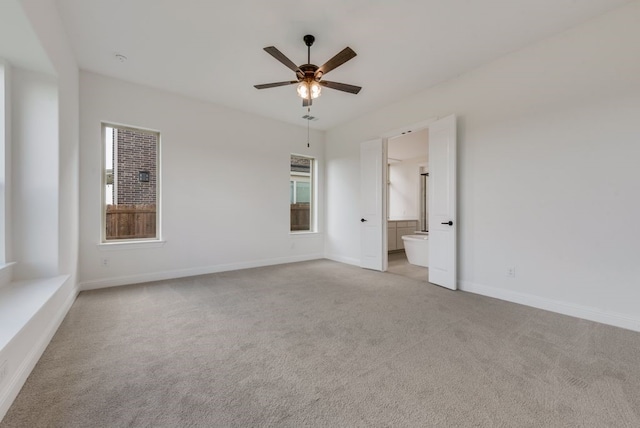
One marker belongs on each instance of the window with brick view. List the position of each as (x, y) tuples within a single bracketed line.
[(130, 183)]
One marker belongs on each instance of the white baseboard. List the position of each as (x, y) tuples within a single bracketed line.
[(565, 308), (20, 375), (181, 273), (341, 259)]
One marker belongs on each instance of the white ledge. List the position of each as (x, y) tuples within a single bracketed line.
[(4, 266), (130, 245), (5, 273), (21, 300)]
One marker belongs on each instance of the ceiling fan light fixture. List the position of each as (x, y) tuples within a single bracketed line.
[(316, 89), (309, 90), (303, 90)]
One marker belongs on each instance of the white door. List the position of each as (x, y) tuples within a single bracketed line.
[(371, 188), (442, 203)]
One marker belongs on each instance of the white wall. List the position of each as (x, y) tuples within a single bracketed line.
[(44, 195), (46, 22), (404, 189), (406, 154), (47, 30), (224, 186), (548, 153), (35, 172)]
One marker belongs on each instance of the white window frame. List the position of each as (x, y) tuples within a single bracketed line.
[(295, 187), (313, 178), (5, 172), (103, 187), (5, 109)]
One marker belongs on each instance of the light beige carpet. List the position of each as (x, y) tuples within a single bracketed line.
[(325, 344), (399, 265)]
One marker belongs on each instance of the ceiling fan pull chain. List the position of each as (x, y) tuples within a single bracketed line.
[(308, 114)]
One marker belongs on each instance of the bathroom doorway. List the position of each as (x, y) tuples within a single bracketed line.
[(407, 203)]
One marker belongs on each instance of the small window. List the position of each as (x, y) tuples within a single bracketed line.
[(301, 191), (130, 173)]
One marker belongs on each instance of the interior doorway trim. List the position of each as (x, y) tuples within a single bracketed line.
[(414, 127), (419, 126)]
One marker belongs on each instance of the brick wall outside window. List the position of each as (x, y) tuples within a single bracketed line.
[(136, 152)]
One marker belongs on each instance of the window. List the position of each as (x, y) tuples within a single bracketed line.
[(301, 191), (130, 183)]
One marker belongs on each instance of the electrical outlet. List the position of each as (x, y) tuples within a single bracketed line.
[(511, 272), (105, 262), (3, 371)]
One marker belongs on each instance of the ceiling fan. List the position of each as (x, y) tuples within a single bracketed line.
[(309, 76)]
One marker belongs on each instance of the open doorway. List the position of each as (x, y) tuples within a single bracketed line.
[(407, 208), (442, 202)]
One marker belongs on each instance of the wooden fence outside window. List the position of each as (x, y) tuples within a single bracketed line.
[(139, 221), (300, 217), (131, 221)]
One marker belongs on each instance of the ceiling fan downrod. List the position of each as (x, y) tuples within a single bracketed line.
[(308, 40)]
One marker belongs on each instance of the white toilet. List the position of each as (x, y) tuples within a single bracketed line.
[(417, 249)]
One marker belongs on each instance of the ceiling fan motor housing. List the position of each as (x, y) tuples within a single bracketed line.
[(309, 71)]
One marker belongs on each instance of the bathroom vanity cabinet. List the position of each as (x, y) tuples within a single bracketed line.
[(396, 229)]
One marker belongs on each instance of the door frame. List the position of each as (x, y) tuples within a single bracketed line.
[(419, 126)]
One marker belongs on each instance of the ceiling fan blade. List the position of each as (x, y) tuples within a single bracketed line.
[(343, 56), (306, 102), (274, 52), (352, 89), (276, 84)]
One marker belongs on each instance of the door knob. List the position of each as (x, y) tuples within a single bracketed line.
[(362, 220), (450, 223)]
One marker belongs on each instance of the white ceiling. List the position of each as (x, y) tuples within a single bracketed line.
[(212, 50), (409, 146)]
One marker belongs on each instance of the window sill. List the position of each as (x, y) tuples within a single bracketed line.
[(304, 233), (130, 245)]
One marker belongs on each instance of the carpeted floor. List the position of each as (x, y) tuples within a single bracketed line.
[(325, 344), (399, 265)]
